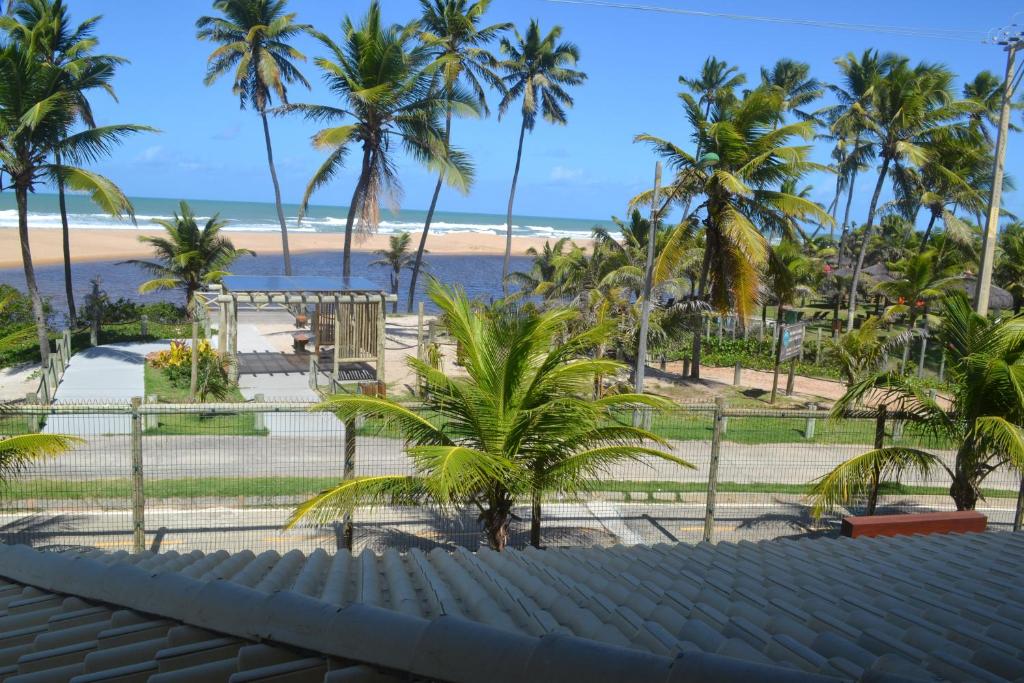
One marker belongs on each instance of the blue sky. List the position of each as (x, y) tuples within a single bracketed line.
[(210, 149)]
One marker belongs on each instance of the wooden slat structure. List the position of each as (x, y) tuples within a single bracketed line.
[(349, 315)]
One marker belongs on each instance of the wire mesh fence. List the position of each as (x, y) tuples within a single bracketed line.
[(207, 477)]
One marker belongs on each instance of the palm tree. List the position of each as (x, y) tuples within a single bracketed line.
[(46, 27), (450, 28), (254, 36), (387, 86), (38, 105), (793, 81), (986, 91), (540, 280), (516, 426), (537, 68), (862, 351), (907, 106), (397, 258), (740, 179), (985, 361), (1010, 264), (188, 257)]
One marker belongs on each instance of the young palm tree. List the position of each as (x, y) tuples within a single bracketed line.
[(254, 38), (986, 91), (907, 106), (537, 68), (861, 352), (450, 28), (793, 81), (985, 363), (540, 280), (517, 426), (38, 105), (1010, 264), (46, 27), (387, 86), (740, 180), (188, 257), (397, 258)]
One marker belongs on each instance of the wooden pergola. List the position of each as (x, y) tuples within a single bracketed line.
[(350, 314)]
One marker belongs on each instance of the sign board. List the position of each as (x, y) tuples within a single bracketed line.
[(791, 340)]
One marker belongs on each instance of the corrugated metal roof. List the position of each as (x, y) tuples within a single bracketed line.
[(947, 607)]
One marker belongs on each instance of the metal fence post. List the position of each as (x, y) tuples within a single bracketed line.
[(138, 495), (349, 471), (811, 423), (716, 443)]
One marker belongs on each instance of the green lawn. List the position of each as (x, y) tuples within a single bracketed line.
[(223, 487), (26, 350), (15, 425), (188, 424)]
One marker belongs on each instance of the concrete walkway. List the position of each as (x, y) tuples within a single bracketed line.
[(112, 373)]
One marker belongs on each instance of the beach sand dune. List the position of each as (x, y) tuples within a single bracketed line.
[(97, 244)]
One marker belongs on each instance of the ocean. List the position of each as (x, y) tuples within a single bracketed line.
[(479, 275), (82, 213)]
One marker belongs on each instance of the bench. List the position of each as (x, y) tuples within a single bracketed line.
[(300, 339), (907, 525)]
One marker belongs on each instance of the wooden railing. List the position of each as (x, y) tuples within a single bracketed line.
[(54, 370)]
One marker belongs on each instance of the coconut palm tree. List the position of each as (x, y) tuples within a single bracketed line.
[(397, 258), (451, 29), (862, 352), (986, 91), (46, 27), (740, 180), (985, 364), (540, 280), (188, 257), (907, 106), (792, 80), (38, 105), (517, 426), (537, 68), (21, 451), (253, 38), (1010, 263), (386, 85)]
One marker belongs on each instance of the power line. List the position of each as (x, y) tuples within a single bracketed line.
[(963, 35)]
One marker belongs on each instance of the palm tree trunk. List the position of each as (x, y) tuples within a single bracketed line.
[(21, 196), (395, 277), (535, 518), (430, 217), (698, 330), (508, 222), (846, 220), (357, 193), (873, 490), (928, 230), (864, 244), (69, 288), (277, 197)]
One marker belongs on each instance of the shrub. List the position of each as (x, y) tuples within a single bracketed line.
[(176, 364)]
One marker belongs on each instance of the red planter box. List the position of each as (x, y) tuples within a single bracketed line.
[(907, 525)]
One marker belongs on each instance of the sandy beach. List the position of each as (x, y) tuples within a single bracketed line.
[(96, 244)]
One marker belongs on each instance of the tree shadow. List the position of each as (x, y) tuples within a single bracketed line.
[(35, 530)]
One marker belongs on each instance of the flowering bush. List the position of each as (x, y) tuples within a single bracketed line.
[(176, 363)]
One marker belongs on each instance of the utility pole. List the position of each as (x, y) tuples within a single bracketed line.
[(1010, 39), (645, 305)]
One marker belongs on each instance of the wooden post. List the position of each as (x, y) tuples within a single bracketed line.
[(222, 330), (193, 385), (381, 337), (716, 444), (337, 342), (138, 493), (150, 421), (811, 423), (686, 367), (775, 370), (737, 374), (348, 473), (791, 379), (259, 420), (233, 339), (419, 333), (313, 379), (1018, 515), (144, 325), (817, 349)]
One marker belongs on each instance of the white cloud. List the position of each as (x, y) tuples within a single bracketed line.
[(151, 154), (565, 174)]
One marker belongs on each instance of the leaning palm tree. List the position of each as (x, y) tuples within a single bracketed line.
[(907, 106), (254, 40), (985, 364), (396, 258), (537, 68), (451, 29), (1009, 271), (740, 178), (38, 105), (516, 427), (46, 27), (386, 85), (188, 257)]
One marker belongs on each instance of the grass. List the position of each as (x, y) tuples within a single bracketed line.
[(26, 349), (16, 425), (224, 487), (190, 424)]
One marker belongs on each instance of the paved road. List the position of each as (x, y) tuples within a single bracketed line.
[(260, 529)]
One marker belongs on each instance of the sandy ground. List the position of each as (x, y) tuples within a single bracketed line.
[(110, 245), (18, 380)]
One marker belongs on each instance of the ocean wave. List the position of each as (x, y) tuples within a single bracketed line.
[(309, 224)]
